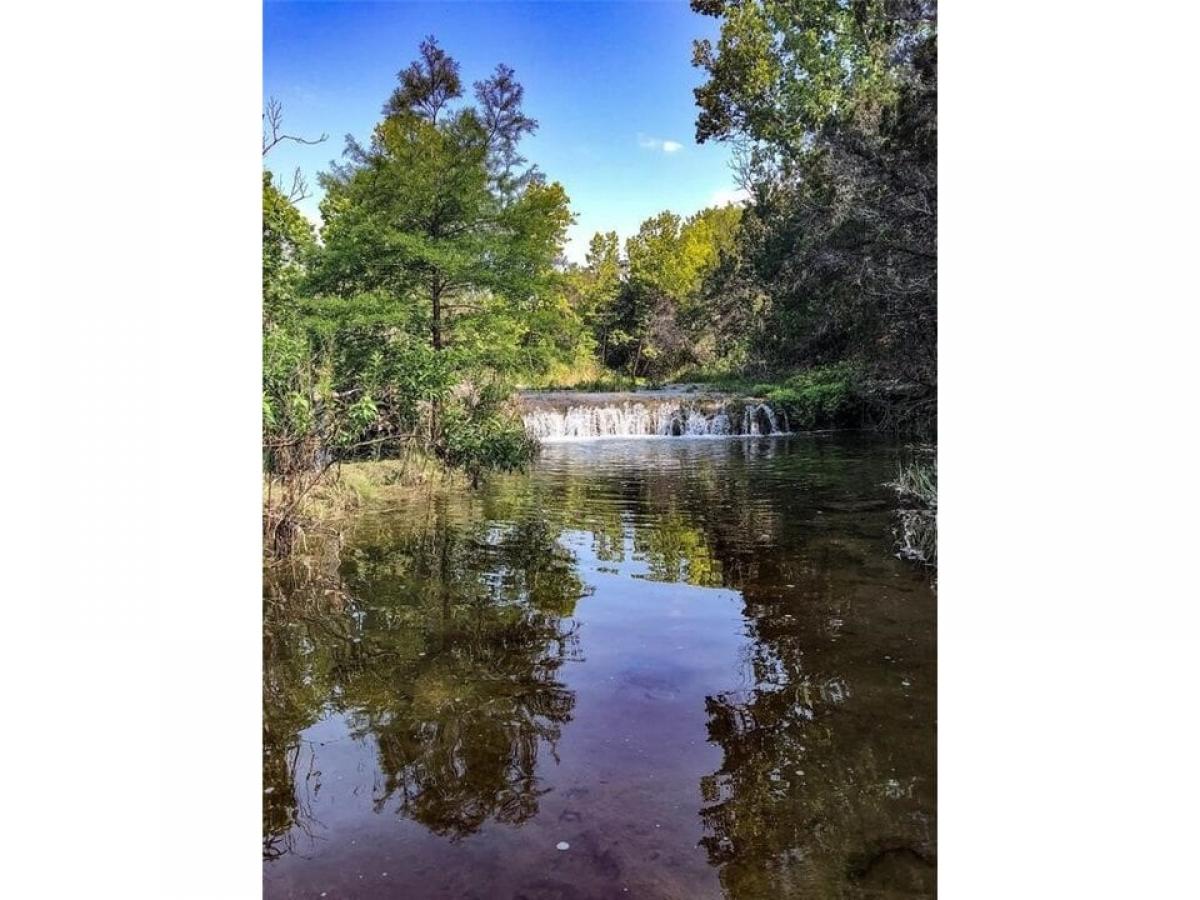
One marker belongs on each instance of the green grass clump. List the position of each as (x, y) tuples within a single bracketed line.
[(916, 488), (823, 397), (918, 481)]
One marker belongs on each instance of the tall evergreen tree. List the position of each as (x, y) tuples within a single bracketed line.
[(436, 210)]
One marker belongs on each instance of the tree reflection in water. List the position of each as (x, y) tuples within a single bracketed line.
[(827, 779), (826, 785), (448, 661), (440, 642)]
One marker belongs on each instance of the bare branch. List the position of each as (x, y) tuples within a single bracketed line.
[(299, 189), (273, 129)]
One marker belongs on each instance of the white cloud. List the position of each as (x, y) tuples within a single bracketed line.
[(652, 143), (725, 196)]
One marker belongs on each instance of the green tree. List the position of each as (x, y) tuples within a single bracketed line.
[(432, 211), (287, 241), (654, 257), (436, 284), (834, 105), (782, 70), (591, 290), (656, 323), (301, 415)]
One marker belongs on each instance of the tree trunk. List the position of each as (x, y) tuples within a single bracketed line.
[(435, 294)]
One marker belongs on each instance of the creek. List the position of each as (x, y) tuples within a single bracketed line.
[(696, 662)]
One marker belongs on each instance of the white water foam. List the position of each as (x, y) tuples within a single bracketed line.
[(652, 418)]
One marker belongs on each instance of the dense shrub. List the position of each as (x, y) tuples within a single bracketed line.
[(482, 433), (817, 398)]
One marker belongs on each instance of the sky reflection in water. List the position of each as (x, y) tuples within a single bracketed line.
[(695, 661)]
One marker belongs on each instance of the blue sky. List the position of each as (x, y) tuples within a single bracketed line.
[(610, 84)]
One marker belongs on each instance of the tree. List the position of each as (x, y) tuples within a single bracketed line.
[(288, 240), (432, 211), (834, 104), (648, 316), (704, 239), (783, 70), (594, 287), (435, 283), (427, 85), (299, 416), (274, 135)]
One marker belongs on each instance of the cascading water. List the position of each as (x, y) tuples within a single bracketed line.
[(568, 416)]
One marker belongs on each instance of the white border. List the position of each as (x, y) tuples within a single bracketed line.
[(133, 640), (1068, 638), (1068, 619)]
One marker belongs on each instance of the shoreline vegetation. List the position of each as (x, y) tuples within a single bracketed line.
[(436, 286), (335, 495), (916, 492)]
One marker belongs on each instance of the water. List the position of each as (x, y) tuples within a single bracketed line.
[(697, 663), (568, 416)]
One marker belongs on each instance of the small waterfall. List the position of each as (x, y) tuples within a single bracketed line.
[(567, 416)]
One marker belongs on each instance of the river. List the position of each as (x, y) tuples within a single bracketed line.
[(675, 667)]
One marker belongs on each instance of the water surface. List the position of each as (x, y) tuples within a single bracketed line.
[(697, 662)]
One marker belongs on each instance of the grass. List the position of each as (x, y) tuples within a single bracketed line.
[(916, 487), (346, 487), (585, 375), (917, 481), (351, 485)]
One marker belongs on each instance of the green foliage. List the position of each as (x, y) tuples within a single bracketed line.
[(291, 386), (817, 398), (297, 400), (379, 362), (645, 310), (433, 287), (481, 434), (287, 241), (784, 69), (835, 106), (431, 213)]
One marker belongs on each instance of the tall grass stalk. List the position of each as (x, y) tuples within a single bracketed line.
[(916, 488)]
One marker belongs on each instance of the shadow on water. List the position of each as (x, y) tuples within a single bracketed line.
[(696, 662)]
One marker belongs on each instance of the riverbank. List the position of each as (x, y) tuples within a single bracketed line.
[(830, 398), (322, 511)]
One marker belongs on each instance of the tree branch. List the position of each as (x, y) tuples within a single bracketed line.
[(273, 125)]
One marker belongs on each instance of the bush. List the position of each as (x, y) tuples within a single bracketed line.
[(817, 398), (480, 433)]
